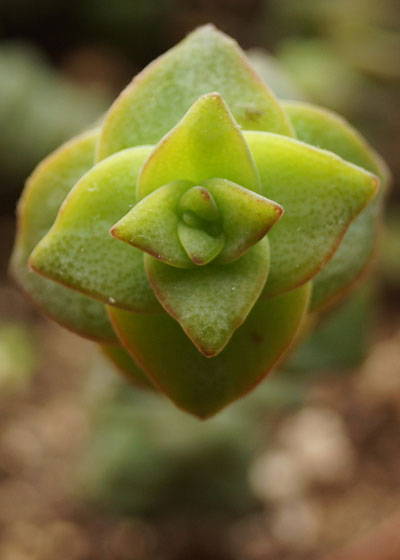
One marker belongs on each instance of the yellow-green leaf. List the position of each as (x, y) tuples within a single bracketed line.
[(211, 302), (206, 143), (206, 61), (321, 195), (203, 385), (43, 195), (79, 251)]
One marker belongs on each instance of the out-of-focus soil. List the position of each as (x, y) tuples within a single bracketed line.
[(326, 501)]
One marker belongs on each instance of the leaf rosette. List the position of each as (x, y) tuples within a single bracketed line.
[(192, 233)]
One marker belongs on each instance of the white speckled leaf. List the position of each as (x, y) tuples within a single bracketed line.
[(321, 195), (206, 61), (206, 143), (79, 250), (211, 302), (43, 195), (200, 385), (152, 225), (328, 130)]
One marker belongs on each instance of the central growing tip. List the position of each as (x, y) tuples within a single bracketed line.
[(199, 226)]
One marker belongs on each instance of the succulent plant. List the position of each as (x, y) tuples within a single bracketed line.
[(192, 233)]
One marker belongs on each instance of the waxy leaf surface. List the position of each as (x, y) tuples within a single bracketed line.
[(200, 246), (327, 130), (44, 193), (126, 365), (206, 143), (152, 225), (245, 216), (203, 385), (350, 260), (156, 223), (321, 195), (158, 97), (211, 302), (79, 250)]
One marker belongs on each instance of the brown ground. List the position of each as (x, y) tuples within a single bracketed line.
[(325, 496)]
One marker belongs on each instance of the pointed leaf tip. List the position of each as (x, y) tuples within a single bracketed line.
[(200, 385), (206, 143), (246, 217), (152, 225), (206, 60), (211, 302), (321, 193)]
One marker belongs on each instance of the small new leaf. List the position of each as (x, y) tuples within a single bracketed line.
[(206, 143), (245, 217)]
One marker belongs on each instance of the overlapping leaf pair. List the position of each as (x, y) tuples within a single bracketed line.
[(192, 233)]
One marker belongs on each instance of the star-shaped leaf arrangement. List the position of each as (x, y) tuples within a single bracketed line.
[(191, 234), (187, 219)]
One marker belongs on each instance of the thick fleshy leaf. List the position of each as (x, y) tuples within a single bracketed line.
[(206, 143), (123, 361), (201, 247), (350, 261), (211, 302), (203, 385), (156, 223), (151, 225), (44, 193), (328, 130), (198, 201), (246, 216), (158, 97), (79, 250), (321, 194)]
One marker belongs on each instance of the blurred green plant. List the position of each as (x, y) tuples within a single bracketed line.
[(194, 165), (39, 109), (341, 54), (144, 456), (18, 358)]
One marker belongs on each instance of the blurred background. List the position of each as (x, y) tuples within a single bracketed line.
[(308, 465)]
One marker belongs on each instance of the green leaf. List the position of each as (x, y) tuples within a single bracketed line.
[(206, 143), (203, 385), (201, 247), (152, 225), (199, 202), (321, 194), (79, 251), (158, 97), (44, 193), (350, 261), (328, 130), (199, 228), (126, 365), (211, 302), (246, 216), (158, 223)]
